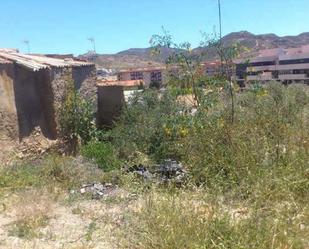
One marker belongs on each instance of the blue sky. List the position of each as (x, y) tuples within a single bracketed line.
[(62, 26)]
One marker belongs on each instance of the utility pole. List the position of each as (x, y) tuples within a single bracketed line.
[(220, 36), (92, 40), (27, 43), (220, 22)]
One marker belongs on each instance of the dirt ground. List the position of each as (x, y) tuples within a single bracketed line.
[(85, 223)]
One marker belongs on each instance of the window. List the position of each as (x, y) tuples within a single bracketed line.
[(136, 75), (299, 61), (156, 76)]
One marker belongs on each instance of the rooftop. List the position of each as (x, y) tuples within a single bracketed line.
[(142, 69), (124, 83), (278, 54), (38, 62)]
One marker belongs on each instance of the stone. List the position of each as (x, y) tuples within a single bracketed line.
[(97, 190)]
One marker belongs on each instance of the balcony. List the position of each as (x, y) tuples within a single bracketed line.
[(260, 77), (278, 67), (293, 77), (293, 66), (262, 68)]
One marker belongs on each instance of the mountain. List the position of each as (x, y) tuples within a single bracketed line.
[(143, 57), (256, 43)]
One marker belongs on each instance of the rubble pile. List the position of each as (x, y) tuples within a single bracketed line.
[(98, 190), (169, 170), (34, 145), (29, 148)]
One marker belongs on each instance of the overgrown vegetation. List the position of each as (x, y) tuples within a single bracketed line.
[(76, 117), (52, 171), (248, 179), (259, 161), (246, 156), (103, 154), (193, 220)]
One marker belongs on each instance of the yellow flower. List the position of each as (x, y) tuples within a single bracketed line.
[(184, 132), (168, 131), (262, 93), (221, 122)]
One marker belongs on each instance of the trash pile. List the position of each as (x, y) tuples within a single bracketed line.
[(98, 190), (168, 171)]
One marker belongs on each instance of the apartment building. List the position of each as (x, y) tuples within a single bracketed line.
[(150, 76), (212, 68), (284, 65)]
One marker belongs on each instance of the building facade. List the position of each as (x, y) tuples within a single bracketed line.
[(284, 65), (150, 76)]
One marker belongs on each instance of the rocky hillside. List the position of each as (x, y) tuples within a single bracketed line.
[(259, 42), (140, 57)]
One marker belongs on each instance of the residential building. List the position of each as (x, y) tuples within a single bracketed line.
[(284, 65), (212, 68), (150, 76)]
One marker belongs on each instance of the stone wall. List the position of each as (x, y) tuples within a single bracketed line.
[(84, 79)]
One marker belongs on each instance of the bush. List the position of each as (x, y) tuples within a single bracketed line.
[(103, 154), (76, 117), (153, 123), (264, 135)]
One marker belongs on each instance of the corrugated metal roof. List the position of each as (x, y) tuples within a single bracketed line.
[(4, 61), (35, 62)]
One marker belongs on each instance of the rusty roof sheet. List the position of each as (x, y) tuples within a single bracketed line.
[(36, 62)]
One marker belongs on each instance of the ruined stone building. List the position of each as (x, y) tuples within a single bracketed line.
[(32, 88)]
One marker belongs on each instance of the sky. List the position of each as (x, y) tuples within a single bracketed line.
[(63, 26)]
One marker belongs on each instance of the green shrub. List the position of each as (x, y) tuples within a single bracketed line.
[(76, 117), (103, 154), (266, 133), (153, 123)]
